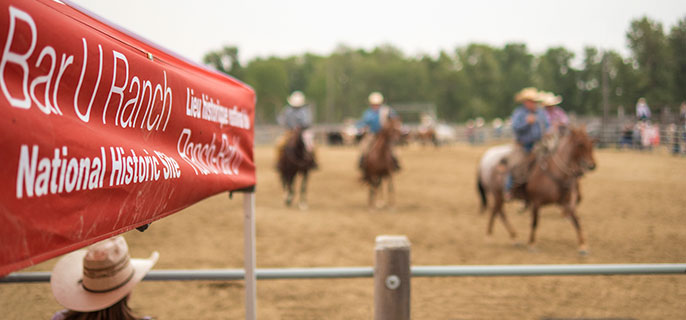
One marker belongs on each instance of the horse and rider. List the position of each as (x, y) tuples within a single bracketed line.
[(296, 114), (378, 162), (295, 147), (543, 166), (373, 120), (538, 122)]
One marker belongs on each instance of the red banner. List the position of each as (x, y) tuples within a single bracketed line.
[(102, 132)]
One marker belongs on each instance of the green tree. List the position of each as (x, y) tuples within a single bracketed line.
[(517, 68), (225, 60), (677, 42), (481, 66), (269, 78), (589, 83), (477, 80), (554, 72), (650, 49), (449, 86), (341, 74), (623, 81), (400, 79)]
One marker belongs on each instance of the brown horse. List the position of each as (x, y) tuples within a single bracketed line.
[(379, 163), (295, 159), (553, 179), (425, 136)]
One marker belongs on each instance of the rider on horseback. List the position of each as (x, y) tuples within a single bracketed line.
[(373, 120), (296, 114), (557, 118), (530, 123)]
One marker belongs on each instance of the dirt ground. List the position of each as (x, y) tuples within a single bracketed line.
[(632, 212)]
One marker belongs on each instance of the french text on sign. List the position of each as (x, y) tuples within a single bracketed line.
[(206, 157)]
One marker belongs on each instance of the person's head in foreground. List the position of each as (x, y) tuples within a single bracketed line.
[(95, 283)]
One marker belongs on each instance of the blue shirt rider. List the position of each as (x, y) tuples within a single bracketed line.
[(372, 120), (372, 117), (529, 122)]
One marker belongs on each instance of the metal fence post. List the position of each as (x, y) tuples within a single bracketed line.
[(249, 256), (392, 278)]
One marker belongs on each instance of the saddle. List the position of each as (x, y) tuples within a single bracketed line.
[(519, 173)]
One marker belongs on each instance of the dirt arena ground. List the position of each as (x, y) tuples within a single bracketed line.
[(632, 212)]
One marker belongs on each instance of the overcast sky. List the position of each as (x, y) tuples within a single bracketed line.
[(261, 28)]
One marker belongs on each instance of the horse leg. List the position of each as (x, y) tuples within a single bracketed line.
[(498, 211), (491, 219), (378, 192), (372, 192), (391, 191), (375, 192), (284, 188), (578, 193), (302, 204), (497, 206), (507, 224), (288, 188), (583, 250), (534, 224)]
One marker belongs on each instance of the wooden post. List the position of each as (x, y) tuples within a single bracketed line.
[(392, 278), (249, 255)]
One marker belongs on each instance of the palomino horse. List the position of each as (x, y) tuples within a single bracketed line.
[(294, 159), (378, 164), (553, 179)]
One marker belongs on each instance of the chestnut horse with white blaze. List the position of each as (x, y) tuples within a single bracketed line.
[(553, 179)]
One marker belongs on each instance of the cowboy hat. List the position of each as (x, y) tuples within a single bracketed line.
[(550, 99), (98, 277), (296, 99), (375, 98), (528, 94)]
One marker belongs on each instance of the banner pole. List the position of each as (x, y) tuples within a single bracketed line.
[(249, 255)]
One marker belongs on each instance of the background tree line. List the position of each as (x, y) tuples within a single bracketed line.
[(473, 80)]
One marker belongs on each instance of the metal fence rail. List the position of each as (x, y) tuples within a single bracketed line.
[(416, 271)]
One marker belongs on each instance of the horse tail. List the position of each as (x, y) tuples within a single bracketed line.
[(482, 193)]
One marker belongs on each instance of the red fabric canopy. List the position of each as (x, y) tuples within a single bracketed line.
[(103, 132)]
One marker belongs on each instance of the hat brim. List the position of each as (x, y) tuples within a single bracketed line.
[(527, 97), (67, 275), (553, 102)]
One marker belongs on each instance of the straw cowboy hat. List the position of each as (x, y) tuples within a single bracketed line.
[(375, 98), (550, 99), (528, 94), (296, 99), (97, 278)]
